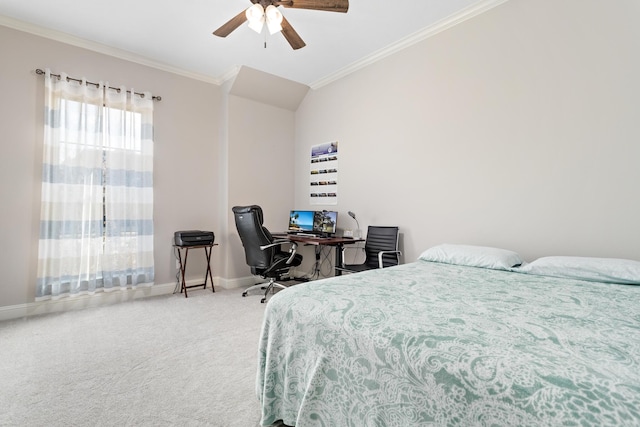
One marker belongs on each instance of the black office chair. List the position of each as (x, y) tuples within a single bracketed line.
[(262, 253), (380, 248)]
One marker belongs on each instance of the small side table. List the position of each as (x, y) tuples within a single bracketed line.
[(183, 266)]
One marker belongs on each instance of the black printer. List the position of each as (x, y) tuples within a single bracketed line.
[(193, 238)]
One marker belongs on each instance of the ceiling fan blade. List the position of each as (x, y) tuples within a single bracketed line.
[(291, 35), (328, 5), (231, 25)]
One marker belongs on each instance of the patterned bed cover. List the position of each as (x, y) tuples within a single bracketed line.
[(429, 344)]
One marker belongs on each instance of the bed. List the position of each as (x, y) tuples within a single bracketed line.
[(455, 340)]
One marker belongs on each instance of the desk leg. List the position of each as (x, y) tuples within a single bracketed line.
[(208, 274), (183, 268), (338, 261)]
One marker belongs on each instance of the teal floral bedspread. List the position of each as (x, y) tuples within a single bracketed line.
[(428, 344)]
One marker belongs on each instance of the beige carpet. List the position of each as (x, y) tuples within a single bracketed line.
[(162, 361)]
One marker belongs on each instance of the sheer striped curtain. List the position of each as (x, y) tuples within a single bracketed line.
[(96, 224)]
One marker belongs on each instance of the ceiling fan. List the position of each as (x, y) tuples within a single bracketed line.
[(265, 10)]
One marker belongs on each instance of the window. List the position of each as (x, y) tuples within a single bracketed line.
[(96, 229)]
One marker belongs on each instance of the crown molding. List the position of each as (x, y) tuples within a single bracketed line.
[(404, 43), (101, 48), (410, 40), (231, 73)]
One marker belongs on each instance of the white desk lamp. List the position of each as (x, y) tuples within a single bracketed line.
[(357, 232)]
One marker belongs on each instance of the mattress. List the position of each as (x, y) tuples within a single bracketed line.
[(431, 344)]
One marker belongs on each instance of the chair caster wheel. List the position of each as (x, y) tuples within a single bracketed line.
[(263, 300), (244, 294)]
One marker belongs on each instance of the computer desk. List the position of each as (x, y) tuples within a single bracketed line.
[(337, 242)]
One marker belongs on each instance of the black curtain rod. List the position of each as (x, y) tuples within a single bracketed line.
[(39, 71)]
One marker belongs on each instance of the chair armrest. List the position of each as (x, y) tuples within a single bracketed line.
[(292, 250), (275, 243), (381, 253), (352, 247)]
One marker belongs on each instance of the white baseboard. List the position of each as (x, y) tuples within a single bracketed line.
[(107, 298)]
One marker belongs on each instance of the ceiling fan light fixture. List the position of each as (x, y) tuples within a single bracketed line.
[(255, 16), (266, 11), (274, 19)]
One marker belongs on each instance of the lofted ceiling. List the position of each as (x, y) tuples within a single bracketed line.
[(177, 35)]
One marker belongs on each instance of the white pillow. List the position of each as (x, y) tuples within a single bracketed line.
[(474, 256), (607, 270)]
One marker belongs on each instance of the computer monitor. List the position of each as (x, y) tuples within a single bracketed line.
[(324, 222), (301, 221)]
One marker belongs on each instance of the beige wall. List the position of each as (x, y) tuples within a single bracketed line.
[(517, 128), (186, 151), (261, 141)]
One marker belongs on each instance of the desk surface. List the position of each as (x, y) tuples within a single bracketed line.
[(329, 241)]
